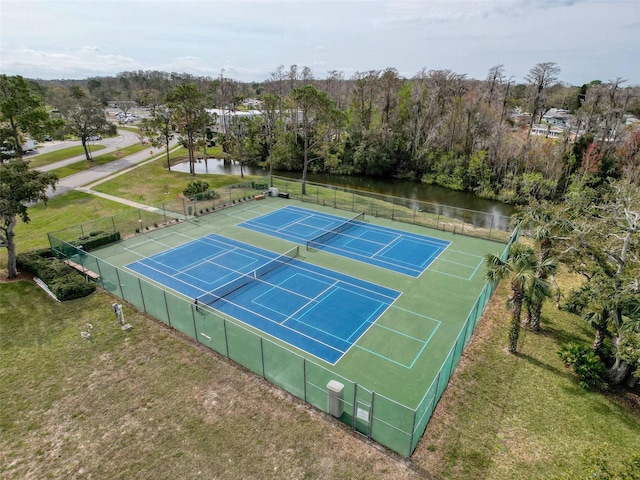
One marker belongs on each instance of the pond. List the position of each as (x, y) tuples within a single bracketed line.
[(413, 191)]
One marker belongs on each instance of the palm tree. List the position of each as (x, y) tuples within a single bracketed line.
[(545, 227), (519, 267), (538, 290)]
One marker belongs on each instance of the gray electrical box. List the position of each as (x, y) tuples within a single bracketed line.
[(335, 402)]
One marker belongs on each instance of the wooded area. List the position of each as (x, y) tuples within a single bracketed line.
[(489, 137)]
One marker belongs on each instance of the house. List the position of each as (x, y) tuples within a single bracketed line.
[(557, 116), (547, 130)]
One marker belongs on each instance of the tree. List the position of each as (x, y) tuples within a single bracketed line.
[(239, 129), (271, 114), (390, 84), (188, 107), (19, 187), (545, 228), (22, 110), (495, 78), (602, 245), (519, 267), (319, 118), (159, 129), (540, 77), (538, 290), (84, 116)]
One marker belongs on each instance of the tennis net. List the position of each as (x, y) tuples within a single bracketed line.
[(245, 278), (323, 237)]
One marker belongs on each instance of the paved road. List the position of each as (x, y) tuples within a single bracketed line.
[(124, 139), (98, 172)]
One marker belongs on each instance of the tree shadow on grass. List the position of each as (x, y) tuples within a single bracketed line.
[(546, 366), (559, 335)]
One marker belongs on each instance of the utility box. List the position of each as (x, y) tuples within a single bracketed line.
[(335, 402), (273, 191)]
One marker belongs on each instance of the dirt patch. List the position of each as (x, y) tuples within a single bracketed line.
[(4, 277)]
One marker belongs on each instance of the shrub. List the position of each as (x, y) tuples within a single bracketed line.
[(198, 189), (97, 239), (585, 364), (65, 282)]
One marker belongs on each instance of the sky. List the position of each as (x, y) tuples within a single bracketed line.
[(59, 39)]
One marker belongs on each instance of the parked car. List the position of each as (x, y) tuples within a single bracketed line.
[(6, 153), (93, 138)]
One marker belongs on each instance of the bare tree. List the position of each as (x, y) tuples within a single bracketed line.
[(540, 77), (319, 119), (495, 78), (335, 85), (363, 97), (390, 84)]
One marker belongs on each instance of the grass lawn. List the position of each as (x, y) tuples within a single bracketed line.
[(151, 404), (153, 183), (524, 416), (63, 154), (68, 209), (98, 160), (146, 404)]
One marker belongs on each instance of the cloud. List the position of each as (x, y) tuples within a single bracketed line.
[(85, 61)]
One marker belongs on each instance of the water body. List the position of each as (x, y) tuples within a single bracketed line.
[(412, 191)]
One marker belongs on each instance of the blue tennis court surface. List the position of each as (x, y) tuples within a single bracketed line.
[(312, 308), (403, 252)]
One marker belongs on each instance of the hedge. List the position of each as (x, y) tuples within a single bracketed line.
[(97, 239), (65, 282)]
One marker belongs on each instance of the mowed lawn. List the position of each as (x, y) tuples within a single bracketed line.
[(149, 403)]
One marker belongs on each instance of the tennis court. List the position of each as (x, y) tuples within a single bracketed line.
[(391, 336), (317, 310), (395, 250)]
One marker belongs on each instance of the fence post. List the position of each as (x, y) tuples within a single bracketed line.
[(355, 406), (226, 340), (144, 305), (413, 429), (99, 272), (166, 306), (373, 401), (119, 284), (262, 357), (304, 377), (491, 226)]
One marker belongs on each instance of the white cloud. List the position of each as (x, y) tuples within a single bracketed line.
[(85, 61), (587, 38)]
